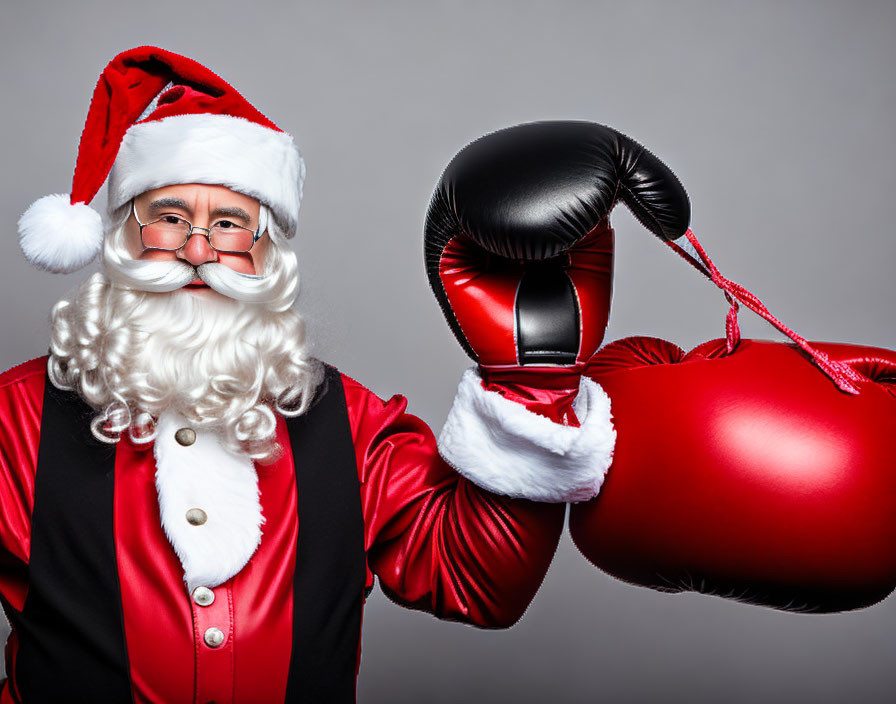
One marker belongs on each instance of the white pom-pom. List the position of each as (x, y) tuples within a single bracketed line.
[(60, 237)]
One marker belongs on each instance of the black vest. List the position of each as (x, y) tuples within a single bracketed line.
[(70, 631)]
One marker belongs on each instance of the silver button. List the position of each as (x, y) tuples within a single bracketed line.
[(214, 637), (196, 516), (203, 596), (185, 436)]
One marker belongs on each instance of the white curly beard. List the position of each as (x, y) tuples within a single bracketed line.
[(221, 363)]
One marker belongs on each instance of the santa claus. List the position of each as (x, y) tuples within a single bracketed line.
[(193, 508)]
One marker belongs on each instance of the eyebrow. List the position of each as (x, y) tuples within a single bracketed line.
[(231, 212), (169, 202)]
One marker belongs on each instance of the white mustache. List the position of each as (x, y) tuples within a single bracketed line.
[(250, 288), (162, 277)]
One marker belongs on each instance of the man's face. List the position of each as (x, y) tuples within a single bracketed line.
[(202, 206)]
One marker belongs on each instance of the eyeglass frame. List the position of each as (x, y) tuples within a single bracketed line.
[(256, 234)]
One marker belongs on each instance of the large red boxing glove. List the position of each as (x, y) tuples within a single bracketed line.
[(519, 253), (747, 475)]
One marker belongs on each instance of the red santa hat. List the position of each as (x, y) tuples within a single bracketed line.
[(157, 119)]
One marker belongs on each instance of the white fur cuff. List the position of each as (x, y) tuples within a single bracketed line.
[(217, 149), (501, 446)]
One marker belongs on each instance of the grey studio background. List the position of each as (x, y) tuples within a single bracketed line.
[(777, 117)]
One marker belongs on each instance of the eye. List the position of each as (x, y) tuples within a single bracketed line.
[(172, 219), (225, 224)]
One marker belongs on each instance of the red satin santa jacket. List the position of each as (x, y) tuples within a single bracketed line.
[(434, 539)]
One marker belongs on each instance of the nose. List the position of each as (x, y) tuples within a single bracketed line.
[(197, 250)]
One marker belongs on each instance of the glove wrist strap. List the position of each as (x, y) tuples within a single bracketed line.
[(547, 391)]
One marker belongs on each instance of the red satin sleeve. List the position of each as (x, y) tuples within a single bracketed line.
[(436, 541), (21, 404)]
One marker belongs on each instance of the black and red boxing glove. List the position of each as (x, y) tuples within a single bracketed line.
[(519, 253), (748, 475)]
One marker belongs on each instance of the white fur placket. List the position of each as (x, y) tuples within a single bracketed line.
[(224, 485)]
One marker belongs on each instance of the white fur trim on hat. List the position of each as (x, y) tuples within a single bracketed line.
[(214, 149), (205, 475), (501, 446), (58, 236)]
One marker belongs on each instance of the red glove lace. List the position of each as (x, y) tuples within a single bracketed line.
[(841, 374)]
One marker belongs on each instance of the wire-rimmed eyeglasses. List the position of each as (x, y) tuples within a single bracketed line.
[(171, 232)]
